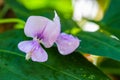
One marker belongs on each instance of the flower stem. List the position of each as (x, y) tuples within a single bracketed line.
[(11, 20)]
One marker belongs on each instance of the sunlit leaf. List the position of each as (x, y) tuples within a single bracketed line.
[(25, 8)]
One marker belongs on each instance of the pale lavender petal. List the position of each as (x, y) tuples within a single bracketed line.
[(56, 20), (39, 55), (33, 50), (35, 25), (51, 32), (26, 46), (67, 43)]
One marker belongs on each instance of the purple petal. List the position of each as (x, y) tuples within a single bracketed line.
[(67, 43), (51, 32), (27, 46), (39, 55), (33, 50), (35, 25)]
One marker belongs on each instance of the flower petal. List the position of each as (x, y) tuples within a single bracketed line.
[(27, 46), (39, 55), (35, 25), (67, 43), (33, 50), (51, 32)]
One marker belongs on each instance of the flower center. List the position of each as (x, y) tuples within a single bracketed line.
[(40, 36), (39, 40)]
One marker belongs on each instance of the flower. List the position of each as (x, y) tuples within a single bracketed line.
[(46, 32)]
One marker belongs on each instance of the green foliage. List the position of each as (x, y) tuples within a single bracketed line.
[(24, 13), (58, 67), (109, 66), (98, 43), (63, 7), (111, 20)]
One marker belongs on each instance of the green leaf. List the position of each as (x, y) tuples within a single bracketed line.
[(67, 25), (105, 65), (58, 67), (98, 43), (111, 20)]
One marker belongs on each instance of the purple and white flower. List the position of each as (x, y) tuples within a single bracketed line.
[(46, 32)]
